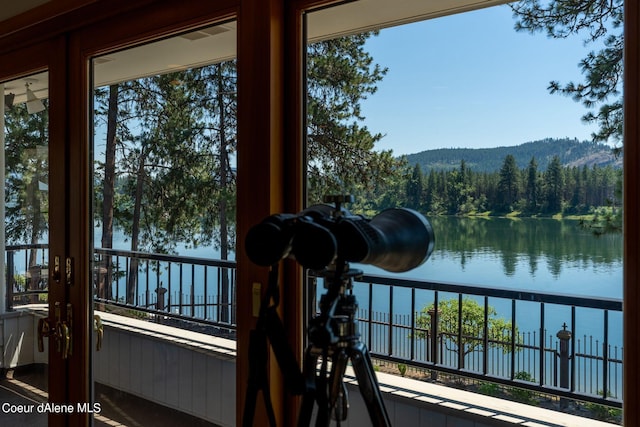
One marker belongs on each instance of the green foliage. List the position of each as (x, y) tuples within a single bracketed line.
[(176, 132), (20, 280), (472, 318), (553, 186), (605, 220), (27, 174), (402, 368), (600, 23), (508, 186), (490, 389), (603, 412), (463, 191), (569, 150), (172, 135), (340, 150), (523, 395)]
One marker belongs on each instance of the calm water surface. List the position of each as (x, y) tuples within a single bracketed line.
[(541, 255), (544, 255)]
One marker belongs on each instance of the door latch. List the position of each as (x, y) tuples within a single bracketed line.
[(99, 330), (56, 269), (59, 330)]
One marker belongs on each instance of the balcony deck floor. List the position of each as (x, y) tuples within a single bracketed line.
[(28, 387)]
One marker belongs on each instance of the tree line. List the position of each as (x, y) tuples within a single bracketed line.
[(529, 191)]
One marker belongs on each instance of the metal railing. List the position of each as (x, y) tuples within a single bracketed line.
[(562, 345), (27, 274), (398, 323), (177, 287)]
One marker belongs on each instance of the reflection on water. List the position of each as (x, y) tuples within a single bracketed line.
[(545, 255)]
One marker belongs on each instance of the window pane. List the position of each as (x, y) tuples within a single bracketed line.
[(462, 118), (164, 215)]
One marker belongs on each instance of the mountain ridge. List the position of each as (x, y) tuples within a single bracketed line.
[(572, 153)]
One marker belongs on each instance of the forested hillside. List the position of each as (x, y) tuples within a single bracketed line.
[(526, 191), (571, 152)]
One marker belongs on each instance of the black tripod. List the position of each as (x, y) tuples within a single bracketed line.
[(333, 336)]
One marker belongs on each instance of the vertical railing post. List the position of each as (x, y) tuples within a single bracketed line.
[(605, 357), (9, 282), (460, 339), (485, 337), (370, 317), (433, 327), (564, 336), (542, 334), (160, 305), (390, 331), (412, 353), (312, 289)]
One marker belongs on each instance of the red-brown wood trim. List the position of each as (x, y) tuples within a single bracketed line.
[(295, 166), (631, 298), (58, 382), (260, 168), (34, 27), (130, 28), (79, 184), (40, 14), (163, 19)]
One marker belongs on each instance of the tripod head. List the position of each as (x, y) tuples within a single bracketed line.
[(335, 325)]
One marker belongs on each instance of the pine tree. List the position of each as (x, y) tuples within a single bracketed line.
[(532, 190), (27, 176), (340, 151), (599, 22), (414, 188), (508, 184), (554, 186)]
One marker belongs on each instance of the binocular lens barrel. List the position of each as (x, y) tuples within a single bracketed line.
[(396, 240)]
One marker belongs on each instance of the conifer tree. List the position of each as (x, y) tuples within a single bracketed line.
[(598, 22), (554, 186), (532, 190), (508, 184), (340, 150)]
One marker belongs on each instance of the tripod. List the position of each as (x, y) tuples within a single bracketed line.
[(333, 336)]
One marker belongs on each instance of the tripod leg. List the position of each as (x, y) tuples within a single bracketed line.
[(368, 385), (338, 403), (309, 396)]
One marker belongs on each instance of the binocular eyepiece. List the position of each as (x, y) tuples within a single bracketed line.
[(395, 240)]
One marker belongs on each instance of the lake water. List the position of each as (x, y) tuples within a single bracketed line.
[(544, 255), (541, 255)]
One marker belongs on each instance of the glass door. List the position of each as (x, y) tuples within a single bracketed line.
[(164, 135), (24, 128), (35, 330)]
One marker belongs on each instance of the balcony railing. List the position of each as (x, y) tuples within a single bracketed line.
[(27, 274), (178, 287), (531, 355), (561, 345)]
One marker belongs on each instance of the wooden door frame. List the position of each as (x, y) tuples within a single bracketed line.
[(631, 226), (135, 27), (50, 56), (275, 136)]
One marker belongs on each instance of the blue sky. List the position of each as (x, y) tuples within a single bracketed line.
[(471, 80)]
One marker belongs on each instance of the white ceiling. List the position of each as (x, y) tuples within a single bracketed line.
[(11, 8), (218, 43), (365, 15)]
